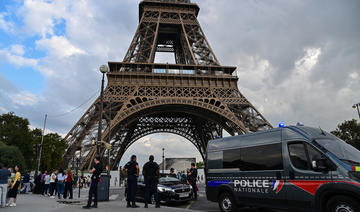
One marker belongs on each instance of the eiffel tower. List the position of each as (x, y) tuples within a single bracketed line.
[(196, 98)]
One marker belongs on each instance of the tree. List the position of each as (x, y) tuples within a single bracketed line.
[(52, 152), (14, 131), (200, 165), (349, 131), (12, 156)]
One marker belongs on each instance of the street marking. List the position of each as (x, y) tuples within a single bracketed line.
[(191, 203), (114, 197)]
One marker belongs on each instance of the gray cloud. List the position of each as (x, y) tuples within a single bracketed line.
[(271, 43)]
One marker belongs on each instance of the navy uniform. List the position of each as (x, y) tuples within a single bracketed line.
[(95, 178), (151, 172), (192, 179), (131, 168)]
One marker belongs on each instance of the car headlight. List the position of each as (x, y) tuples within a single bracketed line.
[(164, 189)]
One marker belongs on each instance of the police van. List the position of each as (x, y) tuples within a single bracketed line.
[(296, 168)]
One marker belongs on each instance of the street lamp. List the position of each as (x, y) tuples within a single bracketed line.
[(163, 160), (103, 69), (357, 107)]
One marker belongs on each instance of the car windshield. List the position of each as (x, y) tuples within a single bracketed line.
[(341, 149), (168, 179)]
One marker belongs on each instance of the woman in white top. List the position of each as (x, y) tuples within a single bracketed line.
[(60, 183), (52, 183), (47, 184)]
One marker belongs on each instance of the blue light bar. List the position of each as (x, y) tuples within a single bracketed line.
[(281, 124)]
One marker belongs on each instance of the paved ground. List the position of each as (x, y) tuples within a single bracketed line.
[(39, 203)]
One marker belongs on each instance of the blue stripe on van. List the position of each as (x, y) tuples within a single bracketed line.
[(216, 183)]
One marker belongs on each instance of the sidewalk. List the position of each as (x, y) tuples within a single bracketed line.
[(38, 203)]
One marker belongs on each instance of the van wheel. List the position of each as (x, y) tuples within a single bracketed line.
[(342, 204), (227, 203)]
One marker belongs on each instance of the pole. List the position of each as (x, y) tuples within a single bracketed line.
[(163, 160), (79, 178), (100, 116), (357, 107), (40, 149), (109, 138)]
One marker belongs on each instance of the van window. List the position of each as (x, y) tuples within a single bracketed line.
[(231, 159), (298, 156), (265, 157), (214, 160)]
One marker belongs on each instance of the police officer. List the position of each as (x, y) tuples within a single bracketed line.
[(131, 170), (192, 179), (96, 171), (151, 172)]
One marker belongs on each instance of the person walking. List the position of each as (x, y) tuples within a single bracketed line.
[(26, 181), (4, 176), (42, 182), (69, 180), (47, 184), (14, 187), (151, 172), (60, 183), (52, 184), (192, 179), (95, 171), (131, 170)]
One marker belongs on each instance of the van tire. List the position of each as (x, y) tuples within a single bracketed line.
[(227, 203), (346, 203)]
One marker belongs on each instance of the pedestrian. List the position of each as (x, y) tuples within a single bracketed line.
[(47, 184), (131, 170), (52, 184), (69, 180), (172, 173), (42, 182), (60, 183), (4, 176), (88, 181), (37, 189), (76, 178), (192, 179), (14, 187), (151, 172), (95, 171), (26, 182)]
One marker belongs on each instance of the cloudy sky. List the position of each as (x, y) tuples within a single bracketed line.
[(297, 60)]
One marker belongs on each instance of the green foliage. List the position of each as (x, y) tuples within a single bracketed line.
[(17, 138), (200, 165), (12, 156), (349, 131), (14, 131), (52, 153)]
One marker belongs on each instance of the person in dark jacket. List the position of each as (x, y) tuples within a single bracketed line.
[(26, 182), (95, 171), (4, 177), (151, 172), (192, 177), (131, 170)]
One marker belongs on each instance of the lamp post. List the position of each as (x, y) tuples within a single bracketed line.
[(103, 69), (109, 137), (163, 160), (38, 160), (357, 107)]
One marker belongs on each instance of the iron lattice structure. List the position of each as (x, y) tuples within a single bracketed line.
[(196, 98)]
